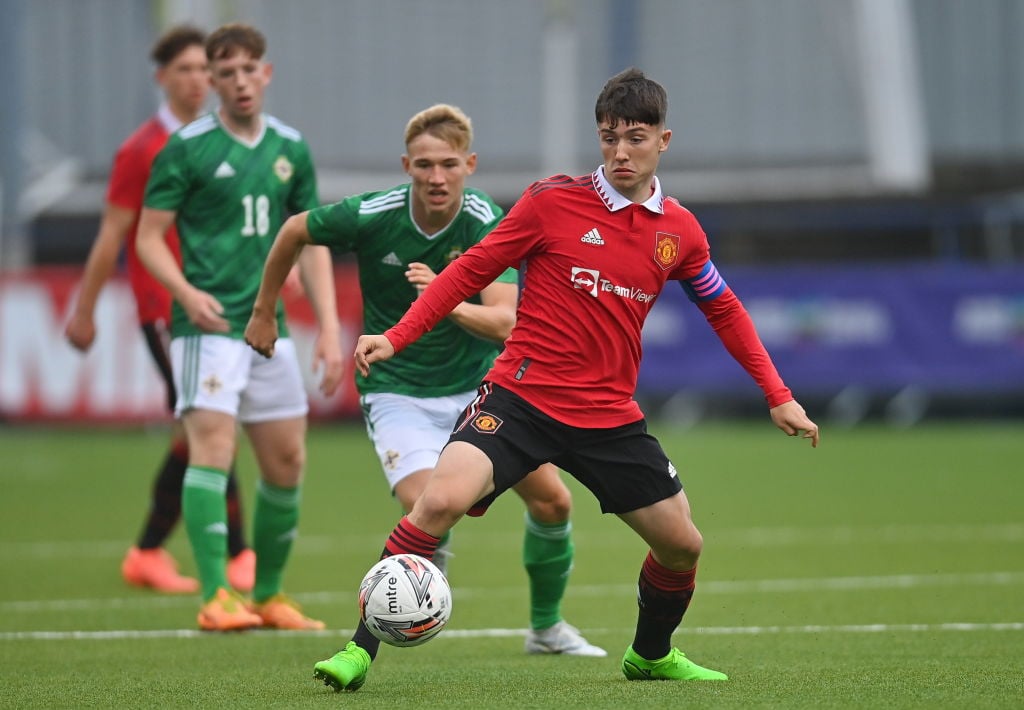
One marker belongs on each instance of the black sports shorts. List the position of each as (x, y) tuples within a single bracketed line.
[(624, 466)]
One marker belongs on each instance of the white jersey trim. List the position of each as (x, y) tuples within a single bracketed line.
[(283, 129), (237, 138), (383, 203), (198, 127), (442, 230), (615, 201), (478, 208)]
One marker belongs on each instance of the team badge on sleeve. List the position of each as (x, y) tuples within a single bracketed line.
[(486, 423), (666, 249)]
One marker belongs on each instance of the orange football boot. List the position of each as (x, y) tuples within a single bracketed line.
[(155, 568), (242, 571), (227, 611), (281, 612)]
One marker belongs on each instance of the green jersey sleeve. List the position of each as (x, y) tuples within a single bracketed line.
[(509, 276), (169, 177), (336, 225), (304, 195)]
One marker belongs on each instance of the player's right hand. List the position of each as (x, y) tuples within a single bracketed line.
[(371, 349), (80, 332), (261, 334), (204, 312)]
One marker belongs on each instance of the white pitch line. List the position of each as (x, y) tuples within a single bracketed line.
[(318, 545), (503, 633), (101, 549), (712, 587), (897, 533)]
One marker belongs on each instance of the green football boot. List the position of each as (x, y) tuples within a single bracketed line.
[(345, 670), (674, 666)]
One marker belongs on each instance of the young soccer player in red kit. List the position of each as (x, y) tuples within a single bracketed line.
[(598, 248), (183, 76)]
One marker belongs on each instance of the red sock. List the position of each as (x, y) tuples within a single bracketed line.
[(666, 580), (409, 539)]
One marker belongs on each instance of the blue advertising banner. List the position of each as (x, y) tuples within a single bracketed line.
[(950, 329)]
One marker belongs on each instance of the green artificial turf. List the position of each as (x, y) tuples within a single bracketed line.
[(882, 570)]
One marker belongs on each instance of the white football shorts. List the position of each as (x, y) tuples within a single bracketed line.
[(225, 375), (408, 433)]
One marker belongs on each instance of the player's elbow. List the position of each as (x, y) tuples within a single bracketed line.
[(295, 231), (144, 247), (504, 324), (502, 334)]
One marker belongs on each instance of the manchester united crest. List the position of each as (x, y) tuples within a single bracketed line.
[(666, 250), (283, 169), (486, 423)]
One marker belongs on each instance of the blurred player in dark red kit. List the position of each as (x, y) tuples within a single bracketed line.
[(182, 74)]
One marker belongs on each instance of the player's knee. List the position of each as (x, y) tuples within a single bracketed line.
[(693, 545), (683, 550), (545, 495), (287, 466), (554, 508), (439, 507), (294, 456), (690, 547)]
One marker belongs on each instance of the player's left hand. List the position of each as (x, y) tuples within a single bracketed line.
[(204, 311), (80, 332), (261, 334), (327, 356), (792, 419), (371, 349)]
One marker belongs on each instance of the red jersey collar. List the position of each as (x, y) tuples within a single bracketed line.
[(614, 200)]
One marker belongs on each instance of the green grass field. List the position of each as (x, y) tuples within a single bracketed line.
[(883, 570)]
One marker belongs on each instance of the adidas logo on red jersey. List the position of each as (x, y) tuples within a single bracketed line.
[(592, 237)]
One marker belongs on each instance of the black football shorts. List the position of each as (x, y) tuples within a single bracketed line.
[(624, 466)]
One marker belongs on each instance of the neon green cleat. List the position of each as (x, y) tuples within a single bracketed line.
[(674, 666), (345, 670)]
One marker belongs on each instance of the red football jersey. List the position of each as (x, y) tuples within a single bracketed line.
[(126, 189), (595, 264)]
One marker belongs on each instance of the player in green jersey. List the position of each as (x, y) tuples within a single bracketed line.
[(228, 180), (402, 237)]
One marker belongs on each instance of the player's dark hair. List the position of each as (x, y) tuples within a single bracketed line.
[(229, 39), (631, 97), (175, 41)]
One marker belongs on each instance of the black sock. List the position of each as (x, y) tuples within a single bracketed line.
[(236, 528), (165, 502), (663, 597), (366, 641)]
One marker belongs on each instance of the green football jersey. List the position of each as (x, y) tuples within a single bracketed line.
[(378, 227), (231, 197)]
